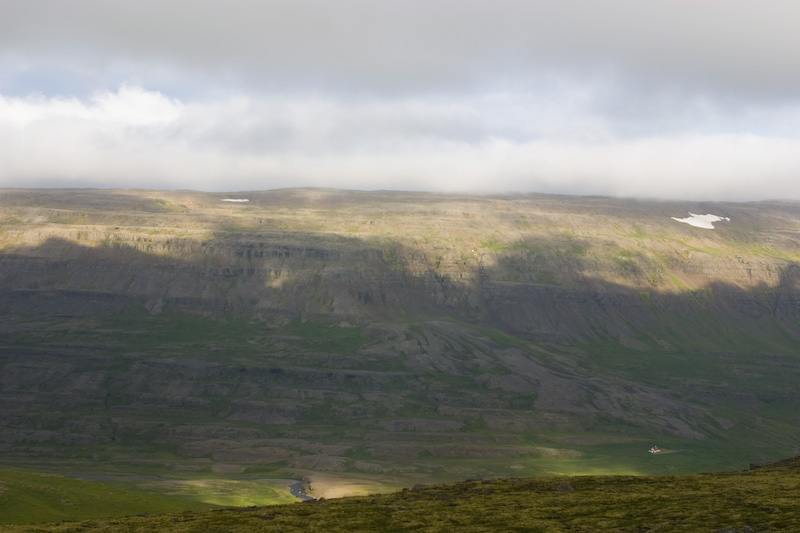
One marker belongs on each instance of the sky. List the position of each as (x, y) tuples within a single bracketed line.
[(682, 99)]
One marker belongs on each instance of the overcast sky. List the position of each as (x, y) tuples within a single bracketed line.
[(691, 99)]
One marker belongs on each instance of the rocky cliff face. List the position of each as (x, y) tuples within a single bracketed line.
[(426, 326), (547, 267)]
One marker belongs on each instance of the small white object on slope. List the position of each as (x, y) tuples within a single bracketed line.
[(701, 221)]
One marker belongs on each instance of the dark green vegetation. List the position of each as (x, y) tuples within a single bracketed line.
[(368, 341), (760, 500), (27, 497)]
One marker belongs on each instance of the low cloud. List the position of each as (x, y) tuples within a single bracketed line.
[(664, 98), (484, 143)]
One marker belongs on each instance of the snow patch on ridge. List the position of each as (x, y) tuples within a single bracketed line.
[(701, 221)]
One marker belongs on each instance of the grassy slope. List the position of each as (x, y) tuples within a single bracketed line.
[(232, 343), (612, 448), (27, 497), (762, 499)]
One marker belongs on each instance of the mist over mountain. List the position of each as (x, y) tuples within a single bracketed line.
[(377, 337)]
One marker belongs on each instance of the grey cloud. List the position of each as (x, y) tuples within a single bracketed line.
[(734, 47), (307, 124), (671, 98)]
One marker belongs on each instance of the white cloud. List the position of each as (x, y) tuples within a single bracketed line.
[(491, 142), (129, 105), (678, 98)]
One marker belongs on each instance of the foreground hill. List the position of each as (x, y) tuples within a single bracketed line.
[(758, 500), (370, 340)]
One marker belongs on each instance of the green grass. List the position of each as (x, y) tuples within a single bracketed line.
[(221, 491), (466, 356), (28, 497), (761, 499), (215, 339), (326, 337), (725, 361), (494, 245)]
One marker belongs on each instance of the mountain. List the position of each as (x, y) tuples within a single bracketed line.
[(367, 340)]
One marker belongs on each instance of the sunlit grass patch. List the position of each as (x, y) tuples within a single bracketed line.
[(28, 497), (224, 492)]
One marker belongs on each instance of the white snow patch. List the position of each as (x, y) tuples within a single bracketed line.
[(235, 199), (701, 221)]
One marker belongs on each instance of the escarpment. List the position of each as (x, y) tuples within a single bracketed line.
[(390, 332)]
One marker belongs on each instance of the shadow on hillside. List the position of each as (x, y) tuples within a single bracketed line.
[(543, 287), (550, 289), (279, 276)]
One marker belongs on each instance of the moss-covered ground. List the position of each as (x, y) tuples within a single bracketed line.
[(763, 499)]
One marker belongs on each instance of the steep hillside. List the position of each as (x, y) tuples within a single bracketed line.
[(362, 340), (600, 264)]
